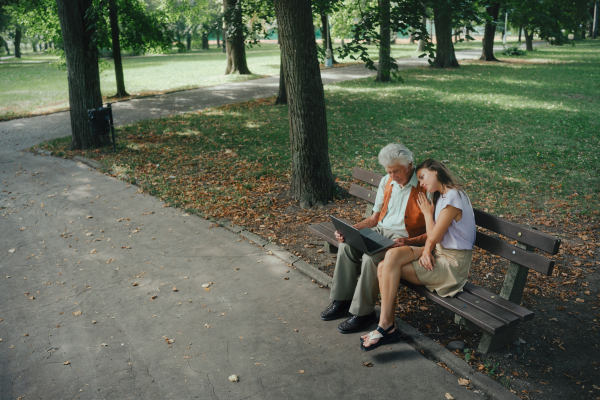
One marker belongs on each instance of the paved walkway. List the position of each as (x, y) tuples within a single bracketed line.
[(102, 291)]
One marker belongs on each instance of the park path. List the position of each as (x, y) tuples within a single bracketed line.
[(101, 292), (26, 132)]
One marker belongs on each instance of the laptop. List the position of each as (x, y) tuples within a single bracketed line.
[(365, 240)]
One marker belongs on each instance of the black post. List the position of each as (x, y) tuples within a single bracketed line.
[(112, 127)]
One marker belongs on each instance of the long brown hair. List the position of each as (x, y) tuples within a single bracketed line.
[(444, 176)]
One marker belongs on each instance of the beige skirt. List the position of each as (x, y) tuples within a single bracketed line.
[(450, 272)]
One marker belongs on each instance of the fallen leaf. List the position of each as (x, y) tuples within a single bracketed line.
[(170, 341), (12, 346), (94, 322), (580, 300), (153, 297), (463, 381), (175, 289), (94, 251), (241, 337), (12, 250), (186, 277), (233, 378), (26, 334), (89, 216), (368, 364), (423, 308), (31, 298), (287, 278), (301, 371), (104, 344), (553, 319), (76, 313), (66, 363), (206, 289), (205, 285), (449, 396), (206, 325), (270, 252), (135, 283), (89, 234)]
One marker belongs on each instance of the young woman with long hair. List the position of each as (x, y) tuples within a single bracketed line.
[(443, 263)]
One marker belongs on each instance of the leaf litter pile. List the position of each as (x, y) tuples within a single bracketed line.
[(231, 163)]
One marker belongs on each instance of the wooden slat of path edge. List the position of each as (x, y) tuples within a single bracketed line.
[(523, 234), (523, 313), (369, 177), (457, 306), (513, 253)]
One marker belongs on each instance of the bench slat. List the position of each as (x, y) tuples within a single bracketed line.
[(515, 254), (529, 236), (323, 233), (523, 313), (363, 193), (369, 177), (489, 308), (484, 321)]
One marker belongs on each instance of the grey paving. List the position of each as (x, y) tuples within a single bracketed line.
[(102, 297)]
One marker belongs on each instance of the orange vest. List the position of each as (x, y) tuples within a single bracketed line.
[(414, 219)]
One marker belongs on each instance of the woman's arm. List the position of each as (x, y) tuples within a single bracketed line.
[(435, 229)]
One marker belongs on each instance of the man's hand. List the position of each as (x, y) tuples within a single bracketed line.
[(339, 237), (399, 243), (427, 261)]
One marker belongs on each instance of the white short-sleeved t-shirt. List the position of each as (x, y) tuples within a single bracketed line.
[(460, 235)]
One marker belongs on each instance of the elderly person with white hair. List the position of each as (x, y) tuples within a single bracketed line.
[(396, 215)]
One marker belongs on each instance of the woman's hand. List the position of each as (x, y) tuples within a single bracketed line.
[(427, 261), (425, 205)]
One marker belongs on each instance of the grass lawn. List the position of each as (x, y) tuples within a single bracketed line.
[(523, 134), (38, 88)]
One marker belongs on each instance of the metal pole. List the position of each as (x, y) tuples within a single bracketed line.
[(328, 52), (505, 27)]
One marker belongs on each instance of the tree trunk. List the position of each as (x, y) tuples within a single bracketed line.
[(595, 28), (326, 35), (18, 34), (116, 48), (528, 40), (217, 33), (487, 53), (421, 45), (444, 49), (188, 39), (281, 95), (205, 41), (82, 70), (520, 30), (312, 181), (383, 69), (236, 50), (6, 48), (411, 39)]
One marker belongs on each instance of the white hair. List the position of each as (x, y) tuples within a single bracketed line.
[(395, 153)]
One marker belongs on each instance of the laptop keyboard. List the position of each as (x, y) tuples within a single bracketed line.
[(371, 244)]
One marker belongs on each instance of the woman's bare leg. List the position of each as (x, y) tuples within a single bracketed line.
[(396, 265)]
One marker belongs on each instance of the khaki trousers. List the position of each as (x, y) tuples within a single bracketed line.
[(349, 268)]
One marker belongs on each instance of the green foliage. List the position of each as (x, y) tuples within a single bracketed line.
[(468, 354), (513, 50)]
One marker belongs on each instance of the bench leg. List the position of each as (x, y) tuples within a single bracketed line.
[(332, 249), (464, 323), (491, 342)]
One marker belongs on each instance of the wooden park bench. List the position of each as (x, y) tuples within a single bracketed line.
[(496, 314)]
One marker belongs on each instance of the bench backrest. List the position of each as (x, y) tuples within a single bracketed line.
[(528, 237)]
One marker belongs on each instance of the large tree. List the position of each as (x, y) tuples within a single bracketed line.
[(235, 38), (491, 22), (82, 68), (312, 181)]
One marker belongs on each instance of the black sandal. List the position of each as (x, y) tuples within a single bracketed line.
[(384, 338)]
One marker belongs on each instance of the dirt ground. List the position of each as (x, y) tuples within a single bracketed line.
[(557, 355)]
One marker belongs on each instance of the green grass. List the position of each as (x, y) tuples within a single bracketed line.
[(37, 88), (523, 136)]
